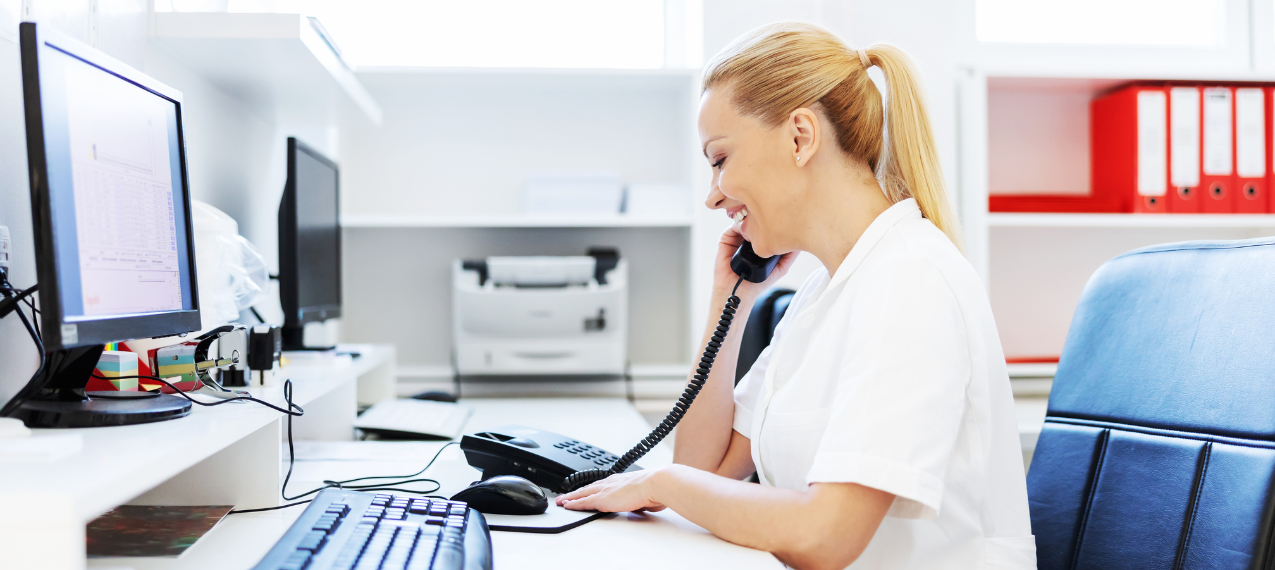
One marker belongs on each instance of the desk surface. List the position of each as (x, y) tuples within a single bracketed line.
[(663, 540)]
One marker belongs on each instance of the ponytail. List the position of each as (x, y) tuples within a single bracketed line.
[(779, 68), (911, 164)]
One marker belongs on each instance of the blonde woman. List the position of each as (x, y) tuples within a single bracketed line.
[(879, 421)]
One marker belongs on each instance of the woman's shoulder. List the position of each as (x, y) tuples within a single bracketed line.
[(919, 247)]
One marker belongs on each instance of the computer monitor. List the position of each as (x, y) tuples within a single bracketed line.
[(111, 216), (309, 243)]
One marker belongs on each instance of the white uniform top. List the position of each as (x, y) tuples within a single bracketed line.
[(890, 374)]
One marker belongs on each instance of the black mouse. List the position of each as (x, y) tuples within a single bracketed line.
[(505, 495), (435, 396)]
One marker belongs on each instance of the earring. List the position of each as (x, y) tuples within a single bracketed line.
[(798, 159)]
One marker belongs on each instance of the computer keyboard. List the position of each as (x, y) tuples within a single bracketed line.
[(349, 530), (414, 418)]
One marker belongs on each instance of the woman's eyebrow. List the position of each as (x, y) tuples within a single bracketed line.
[(709, 141)]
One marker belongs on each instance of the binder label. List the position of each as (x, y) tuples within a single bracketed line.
[(1153, 165), (1217, 131), (1250, 133), (1184, 137)]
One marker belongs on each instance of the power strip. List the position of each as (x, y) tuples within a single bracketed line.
[(5, 246)]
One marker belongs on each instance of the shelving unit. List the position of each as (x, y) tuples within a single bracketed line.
[(274, 62), (1027, 220), (1025, 129)]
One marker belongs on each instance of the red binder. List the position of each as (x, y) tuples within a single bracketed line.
[(1129, 148), (1251, 150), (1217, 154), (1270, 147), (1184, 150)]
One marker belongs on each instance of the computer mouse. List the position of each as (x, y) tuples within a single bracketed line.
[(435, 396), (505, 495)]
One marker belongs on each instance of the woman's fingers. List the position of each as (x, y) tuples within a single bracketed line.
[(578, 493), (585, 504), (732, 237)]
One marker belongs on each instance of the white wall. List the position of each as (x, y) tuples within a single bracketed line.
[(463, 143)]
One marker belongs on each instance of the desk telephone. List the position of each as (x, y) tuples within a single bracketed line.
[(564, 464)]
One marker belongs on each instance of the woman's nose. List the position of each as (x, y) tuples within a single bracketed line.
[(716, 200)]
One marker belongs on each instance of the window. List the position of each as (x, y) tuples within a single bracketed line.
[(1190, 23), (484, 33)]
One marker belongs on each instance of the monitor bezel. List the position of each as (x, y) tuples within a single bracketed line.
[(33, 39), (296, 315)]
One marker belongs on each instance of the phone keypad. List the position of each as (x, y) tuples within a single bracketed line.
[(586, 451)]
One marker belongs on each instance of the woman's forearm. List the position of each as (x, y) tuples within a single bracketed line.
[(704, 433), (826, 526)]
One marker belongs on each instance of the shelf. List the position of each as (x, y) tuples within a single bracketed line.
[(1021, 220), (1032, 370), (512, 221), (277, 62)]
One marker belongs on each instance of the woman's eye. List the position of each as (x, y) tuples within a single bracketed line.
[(719, 162)]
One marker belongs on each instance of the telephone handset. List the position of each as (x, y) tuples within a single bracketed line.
[(563, 464), (750, 266)]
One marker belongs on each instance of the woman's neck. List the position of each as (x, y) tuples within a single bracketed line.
[(845, 201)]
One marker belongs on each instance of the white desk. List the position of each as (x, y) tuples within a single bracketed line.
[(659, 540), (229, 454)]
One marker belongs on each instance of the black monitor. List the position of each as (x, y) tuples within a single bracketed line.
[(309, 243), (110, 210)]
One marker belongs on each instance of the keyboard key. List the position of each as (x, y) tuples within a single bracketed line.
[(419, 507), (312, 540), (297, 561), (440, 521), (459, 509)]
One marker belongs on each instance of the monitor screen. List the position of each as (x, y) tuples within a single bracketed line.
[(115, 184), (318, 232)]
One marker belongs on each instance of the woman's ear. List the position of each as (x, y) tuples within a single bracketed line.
[(806, 135)]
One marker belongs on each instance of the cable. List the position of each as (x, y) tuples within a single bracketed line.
[(582, 478), (264, 509), (344, 484), (7, 293), (258, 315), (287, 395), (11, 301)]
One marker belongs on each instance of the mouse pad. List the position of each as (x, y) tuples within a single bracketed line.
[(553, 521), (453, 474)]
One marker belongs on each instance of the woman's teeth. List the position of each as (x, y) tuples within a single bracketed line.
[(740, 215)]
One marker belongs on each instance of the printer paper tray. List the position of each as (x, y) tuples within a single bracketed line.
[(497, 357)]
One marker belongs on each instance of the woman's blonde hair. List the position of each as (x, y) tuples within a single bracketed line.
[(779, 68)]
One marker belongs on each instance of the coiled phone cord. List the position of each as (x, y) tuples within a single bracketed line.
[(582, 478)]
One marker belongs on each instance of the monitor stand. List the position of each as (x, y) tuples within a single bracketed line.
[(60, 401), (293, 339)]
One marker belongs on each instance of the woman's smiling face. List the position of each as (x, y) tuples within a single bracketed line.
[(755, 174)]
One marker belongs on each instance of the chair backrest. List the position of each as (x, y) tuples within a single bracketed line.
[(769, 308), (1158, 449)]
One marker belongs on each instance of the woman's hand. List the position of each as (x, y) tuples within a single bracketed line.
[(622, 492), (724, 278)]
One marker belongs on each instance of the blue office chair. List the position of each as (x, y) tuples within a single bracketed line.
[(769, 308), (1158, 449)]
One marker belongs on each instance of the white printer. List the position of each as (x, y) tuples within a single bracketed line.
[(541, 315)]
